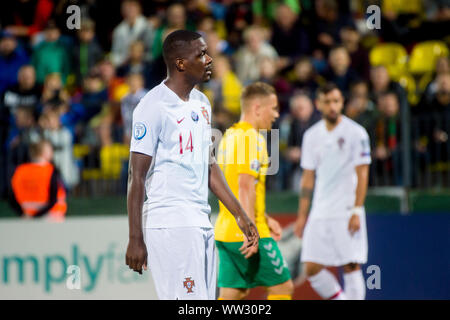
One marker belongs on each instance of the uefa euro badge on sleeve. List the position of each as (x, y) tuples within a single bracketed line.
[(139, 130), (255, 165)]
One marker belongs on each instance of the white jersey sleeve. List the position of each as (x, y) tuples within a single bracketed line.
[(307, 158), (147, 126), (361, 148)]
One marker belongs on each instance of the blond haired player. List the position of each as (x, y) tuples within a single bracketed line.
[(243, 158), (335, 162)]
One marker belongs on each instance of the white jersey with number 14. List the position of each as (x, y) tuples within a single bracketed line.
[(177, 134)]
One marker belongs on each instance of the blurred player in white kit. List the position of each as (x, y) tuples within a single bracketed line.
[(171, 163), (335, 162)]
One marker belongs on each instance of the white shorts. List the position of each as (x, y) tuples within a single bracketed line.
[(182, 262), (328, 242)]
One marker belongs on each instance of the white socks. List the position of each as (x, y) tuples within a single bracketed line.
[(354, 284), (326, 285)]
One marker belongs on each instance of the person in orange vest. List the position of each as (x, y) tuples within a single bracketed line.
[(37, 187)]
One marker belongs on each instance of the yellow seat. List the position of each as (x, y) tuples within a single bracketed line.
[(111, 160), (80, 150), (90, 174), (391, 55), (425, 55), (402, 6)]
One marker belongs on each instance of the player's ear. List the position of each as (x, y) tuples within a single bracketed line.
[(179, 64)]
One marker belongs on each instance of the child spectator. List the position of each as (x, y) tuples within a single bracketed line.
[(61, 140), (129, 102)]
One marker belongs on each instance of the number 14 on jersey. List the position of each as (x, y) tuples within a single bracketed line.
[(189, 146)]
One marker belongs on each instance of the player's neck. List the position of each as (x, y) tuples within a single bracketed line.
[(181, 88), (331, 125), (249, 120)]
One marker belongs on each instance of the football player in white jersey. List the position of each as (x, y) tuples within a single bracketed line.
[(335, 161), (171, 160)]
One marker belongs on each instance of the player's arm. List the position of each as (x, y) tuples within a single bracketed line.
[(306, 192), (362, 173), (136, 256), (275, 228), (219, 186), (247, 194)]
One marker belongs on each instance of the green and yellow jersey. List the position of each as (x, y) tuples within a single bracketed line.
[(242, 151)]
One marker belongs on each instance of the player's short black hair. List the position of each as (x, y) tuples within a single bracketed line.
[(177, 42), (327, 88)]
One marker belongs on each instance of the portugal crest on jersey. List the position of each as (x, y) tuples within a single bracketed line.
[(205, 114), (189, 284), (194, 116)]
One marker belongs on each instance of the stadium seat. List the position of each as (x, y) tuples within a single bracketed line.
[(424, 56), (391, 55), (111, 160), (403, 6), (80, 151)]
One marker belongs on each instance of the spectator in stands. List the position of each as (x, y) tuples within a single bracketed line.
[(359, 57), (442, 67), (12, 57), (304, 77), (327, 25), (37, 188), (339, 70), (25, 93), (249, 56), (94, 96), (86, 52), (216, 45), (26, 18), (134, 26), (361, 109), (288, 36), (130, 101), (435, 120), (380, 83), (388, 138), (304, 115), (136, 63), (20, 136), (265, 11), (61, 140), (51, 55), (224, 91), (53, 91), (269, 74), (176, 19)]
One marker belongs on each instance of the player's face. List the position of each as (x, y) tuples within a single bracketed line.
[(331, 104), (268, 111), (199, 63)]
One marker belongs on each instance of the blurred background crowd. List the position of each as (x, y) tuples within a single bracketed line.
[(77, 88)]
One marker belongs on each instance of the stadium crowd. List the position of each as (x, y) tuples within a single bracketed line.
[(77, 88)]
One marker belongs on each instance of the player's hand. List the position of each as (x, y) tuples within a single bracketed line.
[(136, 256), (275, 228), (251, 237), (299, 226), (354, 224)]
